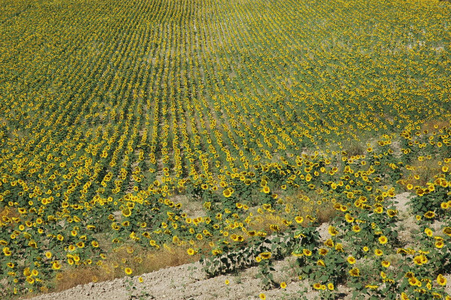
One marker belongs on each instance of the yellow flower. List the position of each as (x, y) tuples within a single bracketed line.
[(356, 228), (262, 296), (128, 271), (329, 243), (441, 279), (56, 265), (317, 286), (283, 285), (339, 247), (371, 286), (420, 260), (351, 260), (349, 218), (191, 251), (299, 219), (378, 252), (227, 282), (383, 239), (140, 279), (428, 232), (355, 272), (332, 231), (413, 281), (126, 212), (322, 251), (227, 192), (6, 251), (439, 244), (404, 296), (385, 264), (379, 210), (330, 286), (306, 252), (429, 215), (265, 255)]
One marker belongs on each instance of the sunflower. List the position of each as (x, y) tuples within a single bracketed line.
[(265, 255), (378, 252), (355, 272), (356, 228), (404, 296), (321, 263), (322, 251), (379, 210), (351, 260), (439, 244), (329, 243), (441, 280), (317, 286), (227, 192), (6, 251), (392, 212), (371, 286), (385, 264), (283, 285), (332, 231), (128, 271), (299, 219), (56, 265), (191, 251), (428, 232), (429, 214), (339, 247), (413, 281), (383, 240), (447, 231), (420, 260), (349, 218)]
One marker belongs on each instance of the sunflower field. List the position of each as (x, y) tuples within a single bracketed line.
[(226, 127)]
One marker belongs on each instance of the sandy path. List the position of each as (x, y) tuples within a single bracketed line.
[(184, 282)]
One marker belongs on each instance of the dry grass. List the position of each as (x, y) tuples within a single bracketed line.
[(325, 213), (434, 125), (420, 173), (139, 259), (268, 223)]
